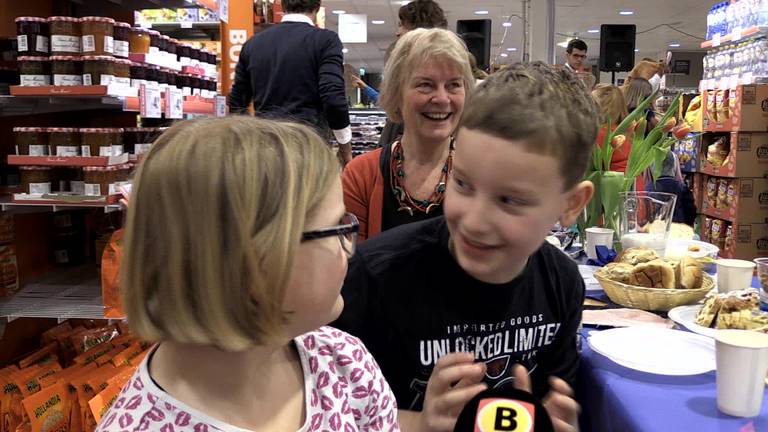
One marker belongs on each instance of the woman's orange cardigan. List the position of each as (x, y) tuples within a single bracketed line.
[(363, 187)]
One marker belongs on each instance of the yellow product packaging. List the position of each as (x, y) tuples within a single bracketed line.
[(731, 194), (49, 409), (722, 194), (712, 191)]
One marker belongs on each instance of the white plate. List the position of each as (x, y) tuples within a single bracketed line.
[(588, 274), (656, 351), (686, 317)]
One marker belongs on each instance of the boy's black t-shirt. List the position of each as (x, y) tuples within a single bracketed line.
[(410, 302)]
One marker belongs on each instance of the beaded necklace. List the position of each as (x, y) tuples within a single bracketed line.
[(397, 182)]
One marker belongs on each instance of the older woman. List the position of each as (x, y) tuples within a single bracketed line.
[(426, 80)]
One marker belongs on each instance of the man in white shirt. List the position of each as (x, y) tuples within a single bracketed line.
[(294, 70), (575, 55)]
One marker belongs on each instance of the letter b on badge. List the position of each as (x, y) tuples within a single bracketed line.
[(504, 415)]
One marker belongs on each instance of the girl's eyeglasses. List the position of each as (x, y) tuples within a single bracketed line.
[(346, 230)]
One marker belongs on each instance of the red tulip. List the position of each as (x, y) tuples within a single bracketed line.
[(669, 125), (618, 141), (681, 131)]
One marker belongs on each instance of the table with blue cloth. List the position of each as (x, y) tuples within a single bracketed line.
[(615, 398)]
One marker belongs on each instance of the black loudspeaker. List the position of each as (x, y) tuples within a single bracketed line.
[(477, 36), (617, 47)]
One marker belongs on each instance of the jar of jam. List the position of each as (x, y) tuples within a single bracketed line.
[(98, 35), (64, 141), (154, 41), (116, 136), (96, 181), (121, 176), (194, 56), (173, 49), (31, 141), (32, 36), (138, 74), (122, 72), (66, 36), (139, 42), (133, 136), (101, 141), (183, 53), (153, 73), (122, 42), (172, 75), (98, 70), (162, 77), (183, 82), (67, 70), (165, 41), (35, 179), (34, 71), (76, 183)]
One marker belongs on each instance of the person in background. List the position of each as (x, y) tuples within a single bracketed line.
[(234, 274), (425, 82), (369, 91), (416, 14), (452, 305), (671, 181), (575, 55), (613, 109), (294, 70), (635, 91), (478, 73)]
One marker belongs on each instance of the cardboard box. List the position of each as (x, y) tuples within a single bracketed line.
[(750, 241), (749, 203), (698, 190), (743, 108), (748, 156)]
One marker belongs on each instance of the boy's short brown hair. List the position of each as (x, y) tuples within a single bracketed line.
[(548, 109), (422, 14)]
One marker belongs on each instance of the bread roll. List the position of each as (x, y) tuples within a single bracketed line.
[(689, 273), (635, 256), (619, 272), (654, 274)]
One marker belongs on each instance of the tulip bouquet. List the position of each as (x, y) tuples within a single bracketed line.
[(647, 150)]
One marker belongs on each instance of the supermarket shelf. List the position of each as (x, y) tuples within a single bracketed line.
[(749, 32), (191, 105), (72, 293), (174, 26), (23, 105), (36, 206), (67, 160), (724, 214)]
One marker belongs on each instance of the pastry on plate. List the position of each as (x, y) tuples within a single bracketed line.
[(653, 274), (732, 310), (689, 273), (635, 256), (619, 272)]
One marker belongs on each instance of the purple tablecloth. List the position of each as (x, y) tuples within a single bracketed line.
[(615, 398)]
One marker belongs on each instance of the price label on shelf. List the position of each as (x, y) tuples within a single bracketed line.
[(221, 106), (224, 10), (724, 83), (186, 24), (736, 34), (733, 82), (716, 40), (174, 103), (149, 102), (747, 78)]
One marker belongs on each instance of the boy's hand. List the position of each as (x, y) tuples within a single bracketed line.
[(454, 381), (559, 402)]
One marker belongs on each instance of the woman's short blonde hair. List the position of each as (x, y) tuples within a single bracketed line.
[(215, 217), (610, 99), (414, 49)]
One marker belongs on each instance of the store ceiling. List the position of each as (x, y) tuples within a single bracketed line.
[(573, 17)]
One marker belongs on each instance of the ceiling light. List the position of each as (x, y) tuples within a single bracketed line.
[(511, 49), (637, 50), (593, 31), (481, 12), (626, 12), (344, 50), (506, 24), (564, 43), (504, 55), (377, 22), (405, 2), (339, 12), (674, 45)]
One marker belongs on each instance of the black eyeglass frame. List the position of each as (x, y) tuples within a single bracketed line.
[(337, 230)]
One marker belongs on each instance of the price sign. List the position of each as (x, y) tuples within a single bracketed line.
[(174, 103), (221, 106), (149, 102), (224, 10), (716, 40), (736, 34), (186, 25)]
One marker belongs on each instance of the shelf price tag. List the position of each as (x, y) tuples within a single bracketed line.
[(747, 79), (174, 103), (149, 102), (186, 24), (224, 10), (716, 40), (736, 34), (221, 106)]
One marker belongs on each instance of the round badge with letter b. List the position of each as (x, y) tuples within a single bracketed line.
[(507, 410)]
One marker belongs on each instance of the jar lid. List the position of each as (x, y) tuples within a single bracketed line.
[(176, 41), (137, 64), (94, 130), (140, 30), (98, 58), (153, 32), (66, 58), (34, 168), (122, 24), (124, 61), (114, 130), (28, 129), (32, 19), (92, 168), (63, 18), (165, 37), (60, 129), (97, 19), (134, 129), (32, 59)]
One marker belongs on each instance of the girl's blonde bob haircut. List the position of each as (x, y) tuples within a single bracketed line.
[(611, 101), (411, 51), (216, 214)]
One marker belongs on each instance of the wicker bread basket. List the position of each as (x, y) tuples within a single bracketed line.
[(653, 299)]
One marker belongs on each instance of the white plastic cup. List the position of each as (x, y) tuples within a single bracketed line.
[(598, 237), (742, 363), (733, 274)]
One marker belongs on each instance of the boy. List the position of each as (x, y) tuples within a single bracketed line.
[(448, 306)]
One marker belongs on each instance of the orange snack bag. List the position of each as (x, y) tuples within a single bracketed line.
[(123, 327), (10, 407), (110, 281), (94, 353), (87, 339), (41, 356), (127, 355), (124, 340), (136, 361), (103, 400), (49, 409), (107, 357), (52, 334)]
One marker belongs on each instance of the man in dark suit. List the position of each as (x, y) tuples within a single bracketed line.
[(294, 70)]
